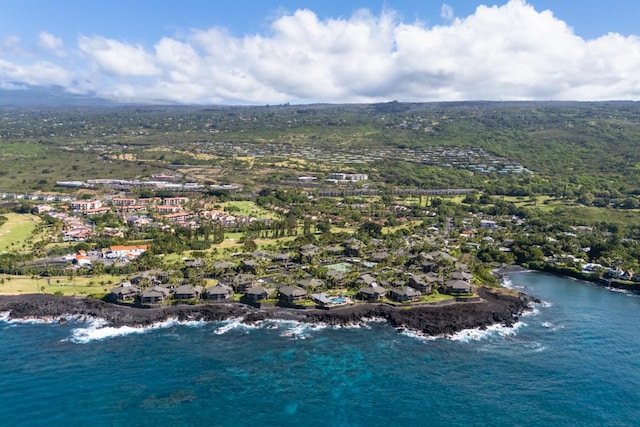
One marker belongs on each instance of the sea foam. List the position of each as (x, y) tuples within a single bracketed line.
[(477, 334), (97, 330)]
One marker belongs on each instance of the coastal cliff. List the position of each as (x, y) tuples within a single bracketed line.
[(496, 307)]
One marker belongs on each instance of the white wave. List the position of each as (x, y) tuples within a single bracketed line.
[(551, 326), (353, 325), (302, 330), (534, 308), (478, 334), (231, 324), (32, 320), (97, 330), (417, 335), (621, 291), (507, 282), (5, 316), (374, 319), (467, 335)]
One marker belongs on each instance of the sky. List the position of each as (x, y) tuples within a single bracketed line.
[(269, 51)]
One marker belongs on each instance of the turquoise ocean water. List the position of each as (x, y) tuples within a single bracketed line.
[(575, 360)]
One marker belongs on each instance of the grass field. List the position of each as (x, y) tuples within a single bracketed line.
[(16, 230), (248, 208), (15, 285), (81, 286)]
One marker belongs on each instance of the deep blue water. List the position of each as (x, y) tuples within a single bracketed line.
[(574, 361)]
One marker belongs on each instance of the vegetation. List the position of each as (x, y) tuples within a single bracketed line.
[(558, 181)]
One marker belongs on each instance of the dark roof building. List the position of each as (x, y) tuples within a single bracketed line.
[(405, 294), (257, 293), (187, 292), (219, 292), (292, 293), (372, 292)]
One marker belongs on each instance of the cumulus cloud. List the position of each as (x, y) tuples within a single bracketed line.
[(42, 73), (508, 52), (116, 58)]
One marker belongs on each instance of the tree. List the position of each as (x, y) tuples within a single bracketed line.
[(250, 246), (323, 227), (98, 268), (370, 229)]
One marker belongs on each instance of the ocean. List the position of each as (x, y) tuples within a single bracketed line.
[(573, 360)]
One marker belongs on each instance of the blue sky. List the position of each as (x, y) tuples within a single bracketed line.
[(269, 51)]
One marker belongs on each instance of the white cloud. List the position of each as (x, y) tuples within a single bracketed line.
[(11, 45), (446, 12), (38, 73), (48, 41), (498, 53), (117, 58)]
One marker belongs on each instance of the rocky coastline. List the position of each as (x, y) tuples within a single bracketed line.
[(496, 306), (608, 283)]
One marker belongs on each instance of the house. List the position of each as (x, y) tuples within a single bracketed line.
[(488, 223), (353, 247), (150, 277), (438, 257), (309, 251), (219, 292), (406, 293), (123, 201), (462, 275), (335, 277), (310, 283), (122, 251), (187, 292), (282, 258), (322, 299), (292, 293), (380, 256), (372, 292), (457, 287), (82, 259), (125, 292), (223, 266), (154, 295), (249, 266), (85, 205), (40, 209), (257, 293), (243, 281), (419, 283), (366, 279), (165, 210), (428, 266), (466, 233), (175, 201)]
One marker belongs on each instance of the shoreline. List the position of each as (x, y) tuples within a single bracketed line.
[(496, 307), (595, 280)]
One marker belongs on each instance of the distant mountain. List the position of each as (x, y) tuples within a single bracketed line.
[(40, 96)]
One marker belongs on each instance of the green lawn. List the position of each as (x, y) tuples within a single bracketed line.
[(248, 208), (15, 285), (16, 230)]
